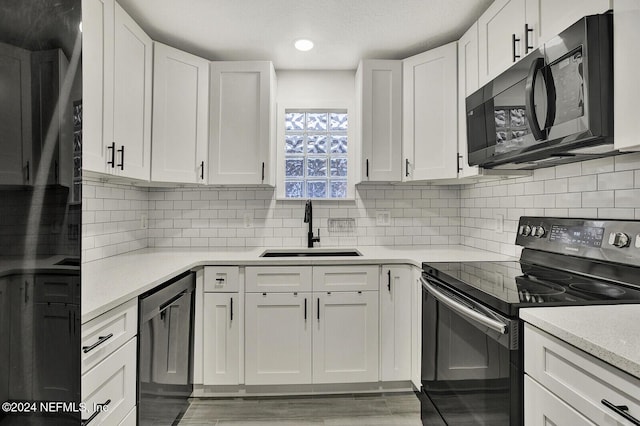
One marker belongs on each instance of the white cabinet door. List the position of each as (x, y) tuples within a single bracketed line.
[(117, 72), (396, 291), (180, 116), (97, 83), (345, 337), (548, 18), (242, 123), (131, 98), (467, 84), (278, 338), (221, 339), (626, 38), (542, 408), (430, 133), (379, 103), (500, 37)]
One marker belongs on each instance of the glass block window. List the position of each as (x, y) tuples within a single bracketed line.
[(316, 150)]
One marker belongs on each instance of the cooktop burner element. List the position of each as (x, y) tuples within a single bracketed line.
[(598, 289), (556, 268)]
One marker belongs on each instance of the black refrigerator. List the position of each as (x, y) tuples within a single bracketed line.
[(40, 211)]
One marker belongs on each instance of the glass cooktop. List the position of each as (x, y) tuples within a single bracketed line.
[(508, 286)]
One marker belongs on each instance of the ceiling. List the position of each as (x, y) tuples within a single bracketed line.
[(344, 31)]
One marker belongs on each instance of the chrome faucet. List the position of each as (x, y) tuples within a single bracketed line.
[(308, 218)]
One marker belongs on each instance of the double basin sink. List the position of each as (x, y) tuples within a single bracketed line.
[(311, 252)]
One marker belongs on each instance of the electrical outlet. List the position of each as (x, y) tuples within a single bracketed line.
[(144, 222), (383, 217), (248, 220), (499, 223)]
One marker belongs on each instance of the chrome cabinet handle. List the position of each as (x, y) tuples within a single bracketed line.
[(101, 340), (305, 308), (367, 167), (389, 280), (406, 167), (231, 310), (202, 170), (621, 410), (96, 413)]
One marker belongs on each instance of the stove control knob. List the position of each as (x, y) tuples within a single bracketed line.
[(525, 230), (619, 239), (538, 231)]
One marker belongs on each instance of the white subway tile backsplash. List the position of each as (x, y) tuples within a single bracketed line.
[(421, 214)]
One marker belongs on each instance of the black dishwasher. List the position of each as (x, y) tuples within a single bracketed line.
[(165, 347)]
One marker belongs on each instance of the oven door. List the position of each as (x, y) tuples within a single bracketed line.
[(471, 369)]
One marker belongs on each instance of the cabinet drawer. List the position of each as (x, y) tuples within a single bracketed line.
[(278, 279), (106, 333), (578, 378), (221, 279), (542, 408), (113, 380), (345, 278)]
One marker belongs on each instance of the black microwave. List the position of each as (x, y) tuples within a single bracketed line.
[(552, 107)]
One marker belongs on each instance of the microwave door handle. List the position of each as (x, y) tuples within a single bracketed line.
[(465, 311), (530, 110)]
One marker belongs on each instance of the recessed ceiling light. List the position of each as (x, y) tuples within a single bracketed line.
[(303, 45)]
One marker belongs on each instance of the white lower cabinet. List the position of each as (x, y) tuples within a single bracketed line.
[(542, 408), (109, 367), (567, 386), (396, 294), (111, 383), (278, 338), (345, 337), (221, 338)]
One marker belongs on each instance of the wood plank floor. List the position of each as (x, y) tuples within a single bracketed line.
[(394, 409)]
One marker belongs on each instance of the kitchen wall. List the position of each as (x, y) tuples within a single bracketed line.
[(603, 188), (420, 214), (251, 217), (111, 218)]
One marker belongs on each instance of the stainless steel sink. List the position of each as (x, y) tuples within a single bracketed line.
[(313, 252)]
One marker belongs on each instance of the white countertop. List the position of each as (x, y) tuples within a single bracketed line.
[(109, 282), (608, 332)]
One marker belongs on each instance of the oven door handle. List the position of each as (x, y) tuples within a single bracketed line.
[(465, 311)]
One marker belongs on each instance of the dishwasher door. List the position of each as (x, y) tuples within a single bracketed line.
[(165, 339)]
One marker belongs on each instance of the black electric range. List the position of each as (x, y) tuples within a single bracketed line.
[(472, 340)]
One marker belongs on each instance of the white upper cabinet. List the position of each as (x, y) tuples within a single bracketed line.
[(626, 38), (548, 18), (501, 37), (116, 92), (510, 29), (180, 116), (430, 133), (242, 123), (379, 111), (467, 84)]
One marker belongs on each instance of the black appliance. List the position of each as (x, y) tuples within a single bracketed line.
[(40, 211), (165, 350), (472, 342), (552, 107)]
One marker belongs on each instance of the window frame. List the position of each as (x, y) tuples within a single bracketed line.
[(282, 108)]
